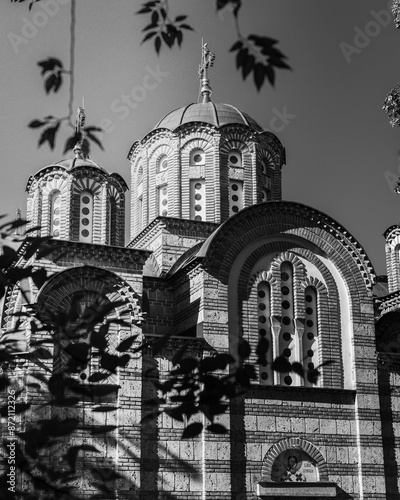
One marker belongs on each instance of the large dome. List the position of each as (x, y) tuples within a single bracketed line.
[(216, 114)]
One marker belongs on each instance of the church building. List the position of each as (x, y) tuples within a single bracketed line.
[(215, 255)]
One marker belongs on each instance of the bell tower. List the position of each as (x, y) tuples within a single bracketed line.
[(77, 199), (203, 162)]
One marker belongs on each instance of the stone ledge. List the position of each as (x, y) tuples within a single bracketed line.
[(300, 490)]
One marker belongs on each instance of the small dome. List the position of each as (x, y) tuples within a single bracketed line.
[(72, 163), (216, 114)]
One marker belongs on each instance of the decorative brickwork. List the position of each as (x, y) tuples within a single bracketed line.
[(294, 443)]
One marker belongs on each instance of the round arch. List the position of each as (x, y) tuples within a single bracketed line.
[(294, 443)]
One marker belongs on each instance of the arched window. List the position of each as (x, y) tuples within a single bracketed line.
[(197, 157), (82, 359), (264, 330), (288, 343), (198, 199), (162, 164), (112, 221), (293, 342), (86, 217), (235, 196), (163, 200), (266, 195), (234, 159), (264, 167), (310, 338), (55, 214)]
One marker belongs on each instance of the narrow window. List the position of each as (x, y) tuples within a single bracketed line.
[(140, 213), (310, 338), (287, 340), (86, 217), (112, 221), (235, 196), (264, 330), (198, 199), (163, 200), (55, 208)]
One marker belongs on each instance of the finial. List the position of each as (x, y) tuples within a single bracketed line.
[(79, 131), (207, 60)]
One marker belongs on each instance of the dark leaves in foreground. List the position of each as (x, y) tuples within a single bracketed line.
[(161, 27), (258, 55), (52, 69), (204, 387)]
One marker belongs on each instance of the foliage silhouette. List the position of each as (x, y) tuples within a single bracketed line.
[(196, 391), (255, 54)]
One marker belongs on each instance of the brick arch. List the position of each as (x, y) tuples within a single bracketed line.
[(294, 443), (88, 278), (235, 142), (277, 219)]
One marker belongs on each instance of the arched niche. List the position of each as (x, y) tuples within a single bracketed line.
[(313, 465)]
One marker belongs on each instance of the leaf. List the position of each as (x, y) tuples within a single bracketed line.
[(281, 364), (186, 27), (248, 65), (71, 142), (111, 362), (298, 368), (217, 429), (261, 350), (244, 349), (98, 377), (210, 364), (168, 39), (126, 344), (50, 64), (52, 82), (192, 430), (149, 35), (144, 10), (39, 277), (49, 135), (79, 351), (154, 17), (157, 44), (98, 338), (72, 454), (186, 365), (58, 427), (178, 19), (89, 134), (270, 75), (42, 353), (36, 124), (236, 46), (18, 408), (158, 344)]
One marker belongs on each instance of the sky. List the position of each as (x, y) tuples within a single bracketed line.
[(342, 154)]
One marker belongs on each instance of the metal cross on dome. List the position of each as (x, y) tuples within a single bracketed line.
[(207, 60)]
